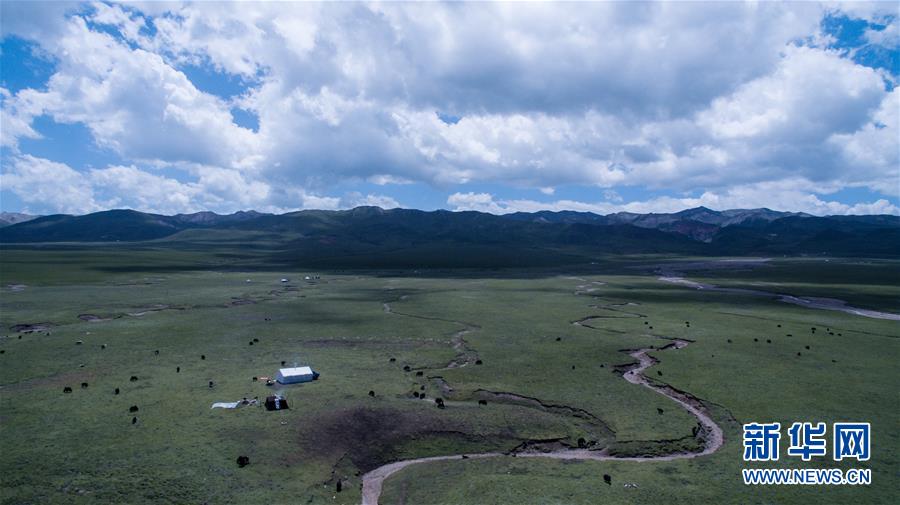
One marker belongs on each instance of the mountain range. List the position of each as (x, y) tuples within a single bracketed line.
[(373, 236)]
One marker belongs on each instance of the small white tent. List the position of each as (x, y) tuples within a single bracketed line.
[(296, 375)]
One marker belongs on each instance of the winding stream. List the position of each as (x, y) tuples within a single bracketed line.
[(713, 435), (803, 301), (710, 432)]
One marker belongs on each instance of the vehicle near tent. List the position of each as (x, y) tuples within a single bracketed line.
[(296, 375), (276, 402)]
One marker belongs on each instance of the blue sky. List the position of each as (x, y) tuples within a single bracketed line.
[(592, 107)]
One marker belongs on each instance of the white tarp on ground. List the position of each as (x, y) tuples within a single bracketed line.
[(225, 405), (295, 375)]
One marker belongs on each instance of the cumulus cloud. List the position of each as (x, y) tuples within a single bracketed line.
[(16, 115), (754, 196), (56, 187), (355, 199), (133, 103), (49, 184), (665, 96)]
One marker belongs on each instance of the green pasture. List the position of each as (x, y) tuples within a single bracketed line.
[(83, 448)]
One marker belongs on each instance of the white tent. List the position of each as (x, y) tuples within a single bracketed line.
[(296, 374)]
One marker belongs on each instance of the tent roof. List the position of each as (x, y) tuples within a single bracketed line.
[(300, 370)]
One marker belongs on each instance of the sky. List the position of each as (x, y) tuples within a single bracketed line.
[(497, 107)]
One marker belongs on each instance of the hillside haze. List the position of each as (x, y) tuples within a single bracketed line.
[(11, 218)]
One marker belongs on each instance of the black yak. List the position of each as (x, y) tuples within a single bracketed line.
[(243, 461), (607, 479), (133, 408), (67, 389), (84, 385)]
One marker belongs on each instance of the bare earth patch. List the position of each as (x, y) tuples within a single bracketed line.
[(31, 327)]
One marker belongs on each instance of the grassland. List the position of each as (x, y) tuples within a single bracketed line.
[(83, 448)]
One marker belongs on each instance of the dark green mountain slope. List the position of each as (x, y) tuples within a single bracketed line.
[(370, 236)]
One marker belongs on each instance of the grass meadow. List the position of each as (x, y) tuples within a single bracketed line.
[(752, 359)]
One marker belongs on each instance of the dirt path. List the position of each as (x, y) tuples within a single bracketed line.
[(712, 433), (803, 301)]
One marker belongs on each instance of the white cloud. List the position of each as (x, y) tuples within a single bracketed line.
[(659, 95), (57, 187), (872, 153), (754, 196), (611, 196), (132, 102), (355, 199), (16, 116), (810, 94), (481, 202), (49, 185)]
